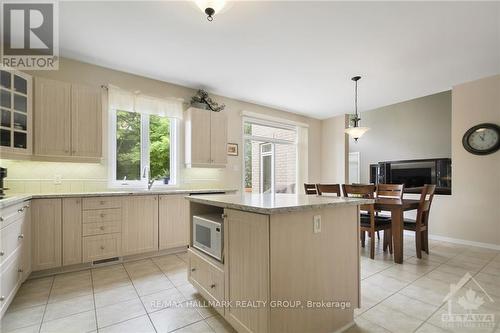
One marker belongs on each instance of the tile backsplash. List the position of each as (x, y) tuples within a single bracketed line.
[(58, 177)]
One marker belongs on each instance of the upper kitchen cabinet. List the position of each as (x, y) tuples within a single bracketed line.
[(206, 139), (68, 121), (15, 113)]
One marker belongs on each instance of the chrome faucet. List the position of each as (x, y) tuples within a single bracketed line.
[(146, 173)]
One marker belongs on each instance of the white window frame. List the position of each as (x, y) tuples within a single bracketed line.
[(142, 183), (273, 141), (273, 170)]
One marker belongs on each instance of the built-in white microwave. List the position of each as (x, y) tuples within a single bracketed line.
[(208, 234)]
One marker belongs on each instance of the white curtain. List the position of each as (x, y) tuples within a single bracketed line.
[(302, 158), (120, 99)]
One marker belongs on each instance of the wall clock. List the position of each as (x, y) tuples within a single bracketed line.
[(482, 139)]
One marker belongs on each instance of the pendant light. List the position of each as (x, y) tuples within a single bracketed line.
[(356, 131), (211, 7)]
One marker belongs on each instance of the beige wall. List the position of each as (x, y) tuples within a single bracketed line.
[(472, 212), (334, 148), (78, 176), (415, 129)]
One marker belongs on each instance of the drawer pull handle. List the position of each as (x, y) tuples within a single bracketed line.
[(212, 286), (102, 228), (2, 253), (193, 269), (20, 270), (102, 247), (2, 298), (27, 206), (20, 210), (101, 202), (21, 236), (102, 215), (1, 218)]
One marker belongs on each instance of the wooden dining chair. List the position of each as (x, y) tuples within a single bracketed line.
[(329, 189), (389, 191), (421, 224), (369, 222), (310, 189)]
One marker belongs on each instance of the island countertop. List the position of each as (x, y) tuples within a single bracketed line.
[(275, 203)]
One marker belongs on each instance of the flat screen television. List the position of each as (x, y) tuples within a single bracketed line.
[(412, 177)]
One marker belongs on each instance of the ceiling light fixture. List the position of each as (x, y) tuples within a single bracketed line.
[(210, 7), (356, 131)]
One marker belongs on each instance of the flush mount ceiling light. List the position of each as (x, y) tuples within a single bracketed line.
[(356, 131), (211, 7)]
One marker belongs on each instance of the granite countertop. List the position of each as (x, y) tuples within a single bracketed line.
[(275, 203), (14, 199)]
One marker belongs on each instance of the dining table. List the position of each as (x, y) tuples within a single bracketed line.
[(396, 207)]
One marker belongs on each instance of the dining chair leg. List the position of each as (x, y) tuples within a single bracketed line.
[(372, 245), (386, 240), (418, 243), (389, 231), (363, 237), (378, 235), (425, 240)]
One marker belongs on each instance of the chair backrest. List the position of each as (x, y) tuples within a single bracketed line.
[(360, 191), (329, 189), (310, 189), (424, 206), (390, 191)]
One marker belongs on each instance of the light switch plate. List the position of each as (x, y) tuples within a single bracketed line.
[(317, 223)]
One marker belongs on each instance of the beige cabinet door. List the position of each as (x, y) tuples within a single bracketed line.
[(46, 233), (52, 118), (173, 221), (86, 122), (218, 138), (71, 231), (198, 137), (140, 224)]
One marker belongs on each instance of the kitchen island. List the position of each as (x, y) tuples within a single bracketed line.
[(288, 263)]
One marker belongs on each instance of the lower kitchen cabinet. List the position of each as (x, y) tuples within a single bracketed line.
[(140, 224), (101, 247), (173, 221), (71, 231), (46, 232)]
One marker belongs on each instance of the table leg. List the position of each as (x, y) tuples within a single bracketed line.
[(397, 234)]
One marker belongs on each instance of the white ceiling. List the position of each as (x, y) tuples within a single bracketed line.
[(295, 56)]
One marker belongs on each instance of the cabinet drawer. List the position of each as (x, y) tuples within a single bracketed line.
[(101, 228), (102, 202), (10, 276), (11, 237), (207, 276), (12, 213), (102, 215), (101, 247)]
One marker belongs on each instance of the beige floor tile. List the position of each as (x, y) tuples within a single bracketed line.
[(374, 291), (111, 283), (152, 283), (26, 299), (219, 325), (203, 307), (113, 314), (437, 320), (183, 256), (410, 306), (69, 291), (137, 325), (390, 319), (442, 276), (115, 295), (188, 291), (68, 307), (22, 318), (427, 290), (141, 267), (397, 272), (199, 327), (492, 269), (29, 329), (37, 284), (178, 276), (81, 322), (173, 318), (362, 325), (163, 299), (167, 263), (387, 282), (428, 328)]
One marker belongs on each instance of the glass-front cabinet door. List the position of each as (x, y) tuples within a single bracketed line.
[(15, 112)]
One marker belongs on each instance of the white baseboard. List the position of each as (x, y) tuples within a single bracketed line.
[(464, 242)]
